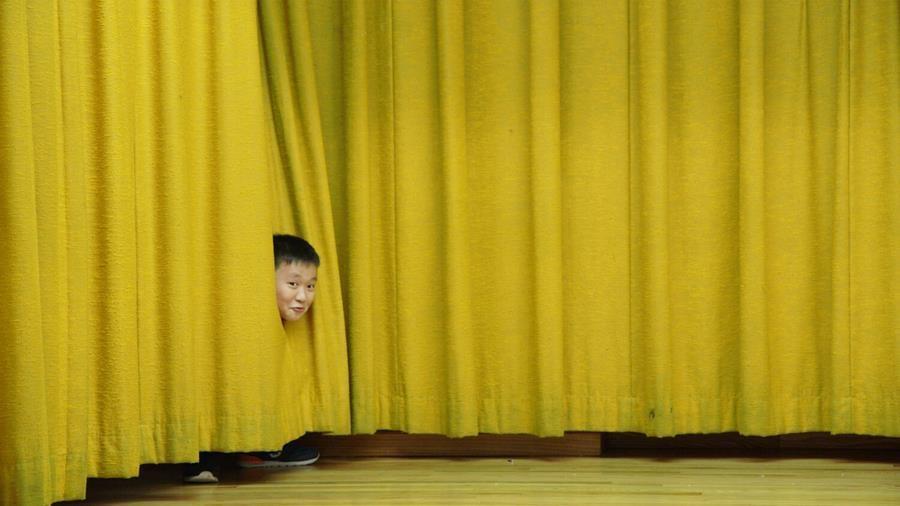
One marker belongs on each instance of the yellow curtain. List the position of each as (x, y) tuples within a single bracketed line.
[(138, 322), (566, 215), (665, 217), (318, 343)]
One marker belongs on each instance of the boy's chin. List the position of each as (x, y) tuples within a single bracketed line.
[(291, 317)]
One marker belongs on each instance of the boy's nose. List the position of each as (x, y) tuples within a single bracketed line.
[(301, 295)]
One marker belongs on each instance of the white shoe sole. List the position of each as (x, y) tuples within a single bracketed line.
[(203, 477), (276, 463)]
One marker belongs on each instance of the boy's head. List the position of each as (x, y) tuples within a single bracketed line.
[(296, 267)]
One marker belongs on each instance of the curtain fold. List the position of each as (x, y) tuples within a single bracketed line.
[(318, 343), (665, 217), (870, 288), (136, 213)]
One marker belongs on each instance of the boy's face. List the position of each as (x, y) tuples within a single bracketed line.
[(295, 289)]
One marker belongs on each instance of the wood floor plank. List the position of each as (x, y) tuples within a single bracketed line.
[(537, 481)]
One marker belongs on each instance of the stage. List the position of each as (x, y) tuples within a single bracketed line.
[(620, 477)]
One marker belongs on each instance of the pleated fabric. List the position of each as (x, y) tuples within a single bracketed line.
[(136, 213), (318, 342), (666, 217)]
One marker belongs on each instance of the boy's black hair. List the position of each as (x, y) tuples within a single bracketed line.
[(290, 249)]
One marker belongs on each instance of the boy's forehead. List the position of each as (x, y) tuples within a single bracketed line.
[(297, 269)]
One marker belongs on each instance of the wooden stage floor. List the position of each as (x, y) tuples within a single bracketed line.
[(628, 478)]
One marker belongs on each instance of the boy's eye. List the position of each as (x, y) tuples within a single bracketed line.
[(311, 287), (293, 284)]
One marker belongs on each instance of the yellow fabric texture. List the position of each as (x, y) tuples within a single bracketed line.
[(318, 343), (666, 217), (136, 213)]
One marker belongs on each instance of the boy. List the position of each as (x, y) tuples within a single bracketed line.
[(296, 268)]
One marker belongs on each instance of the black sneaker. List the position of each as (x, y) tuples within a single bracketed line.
[(291, 455), (202, 472)]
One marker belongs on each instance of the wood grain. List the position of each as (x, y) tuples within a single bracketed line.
[(594, 480)]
